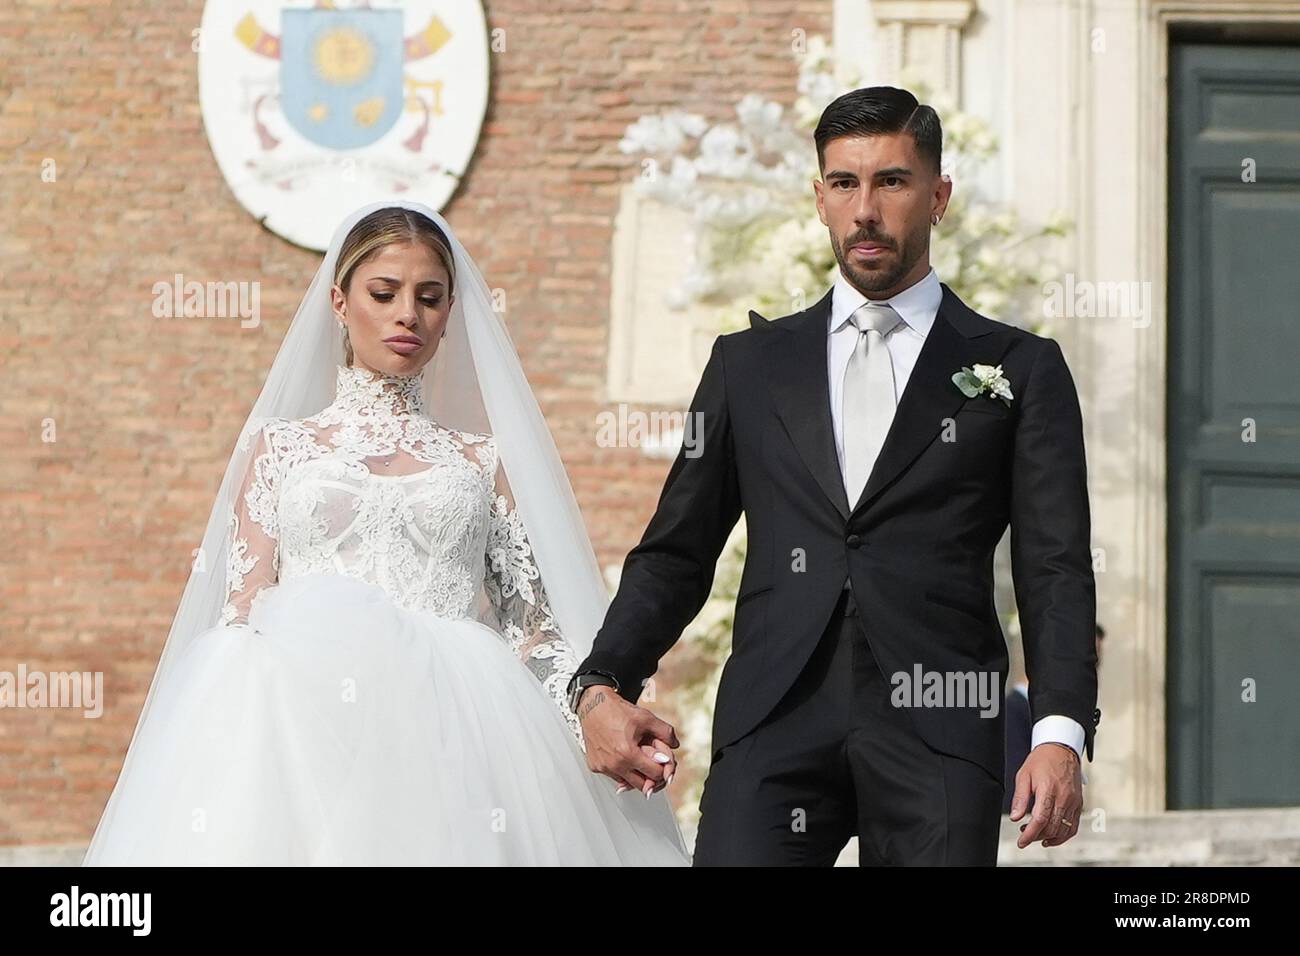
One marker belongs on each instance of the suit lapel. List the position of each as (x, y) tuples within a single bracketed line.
[(953, 342), (796, 365), (795, 356)]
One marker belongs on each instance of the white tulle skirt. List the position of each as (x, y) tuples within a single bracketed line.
[(337, 729)]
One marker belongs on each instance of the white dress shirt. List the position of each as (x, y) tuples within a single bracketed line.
[(917, 306)]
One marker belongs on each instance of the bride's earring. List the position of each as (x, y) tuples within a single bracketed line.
[(347, 342), (934, 219)]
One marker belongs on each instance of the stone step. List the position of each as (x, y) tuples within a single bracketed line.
[(1258, 837), (1264, 837)]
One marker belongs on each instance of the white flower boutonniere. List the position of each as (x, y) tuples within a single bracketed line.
[(984, 380)]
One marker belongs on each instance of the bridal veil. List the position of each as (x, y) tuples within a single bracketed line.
[(474, 383)]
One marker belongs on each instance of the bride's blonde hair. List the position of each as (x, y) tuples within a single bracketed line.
[(384, 227)]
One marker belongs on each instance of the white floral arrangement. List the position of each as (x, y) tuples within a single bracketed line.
[(987, 380)]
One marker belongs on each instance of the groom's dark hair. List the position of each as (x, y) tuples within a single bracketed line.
[(877, 110)]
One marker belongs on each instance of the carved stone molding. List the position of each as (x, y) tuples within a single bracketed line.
[(922, 38)]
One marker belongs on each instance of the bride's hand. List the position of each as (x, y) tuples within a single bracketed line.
[(624, 739), (662, 754)]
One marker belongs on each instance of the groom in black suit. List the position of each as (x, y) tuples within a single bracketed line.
[(862, 692)]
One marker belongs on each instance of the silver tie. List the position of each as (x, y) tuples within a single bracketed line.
[(869, 400)]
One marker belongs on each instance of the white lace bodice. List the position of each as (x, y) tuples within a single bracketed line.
[(373, 488)]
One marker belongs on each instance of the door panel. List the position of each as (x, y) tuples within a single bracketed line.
[(1234, 355)]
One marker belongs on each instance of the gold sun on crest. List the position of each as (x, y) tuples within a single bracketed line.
[(343, 56)]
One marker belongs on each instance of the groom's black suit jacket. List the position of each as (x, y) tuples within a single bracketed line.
[(918, 545)]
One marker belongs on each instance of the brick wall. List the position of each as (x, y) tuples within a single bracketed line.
[(99, 524)]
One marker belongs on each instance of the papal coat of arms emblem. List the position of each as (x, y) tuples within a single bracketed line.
[(313, 109), (341, 74)]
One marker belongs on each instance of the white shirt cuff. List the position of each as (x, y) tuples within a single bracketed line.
[(1057, 728)]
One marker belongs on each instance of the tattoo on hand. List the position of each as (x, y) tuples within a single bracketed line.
[(596, 699)]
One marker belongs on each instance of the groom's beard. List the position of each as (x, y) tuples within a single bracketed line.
[(906, 253)]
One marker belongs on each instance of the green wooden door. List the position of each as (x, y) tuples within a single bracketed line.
[(1234, 357)]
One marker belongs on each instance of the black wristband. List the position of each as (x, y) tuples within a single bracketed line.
[(584, 679)]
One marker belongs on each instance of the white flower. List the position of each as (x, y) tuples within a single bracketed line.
[(983, 380), (991, 378), (758, 114), (662, 134)]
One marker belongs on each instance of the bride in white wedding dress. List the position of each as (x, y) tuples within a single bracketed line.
[(373, 668)]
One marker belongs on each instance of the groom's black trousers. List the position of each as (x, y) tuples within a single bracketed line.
[(834, 759)]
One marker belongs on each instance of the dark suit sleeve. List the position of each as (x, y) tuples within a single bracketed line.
[(1051, 555), (668, 575)]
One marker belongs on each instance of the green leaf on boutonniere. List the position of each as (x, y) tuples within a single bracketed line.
[(968, 382)]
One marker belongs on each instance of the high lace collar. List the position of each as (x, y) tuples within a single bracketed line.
[(359, 389)]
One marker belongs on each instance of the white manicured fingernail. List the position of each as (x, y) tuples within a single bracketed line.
[(662, 758)]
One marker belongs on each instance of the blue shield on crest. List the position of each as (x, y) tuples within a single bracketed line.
[(341, 74)]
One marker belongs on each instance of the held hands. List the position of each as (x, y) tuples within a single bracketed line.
[(1052, 776), (626, 743)]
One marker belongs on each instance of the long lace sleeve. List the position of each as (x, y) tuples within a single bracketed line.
[(253, 561), (514, 586)]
